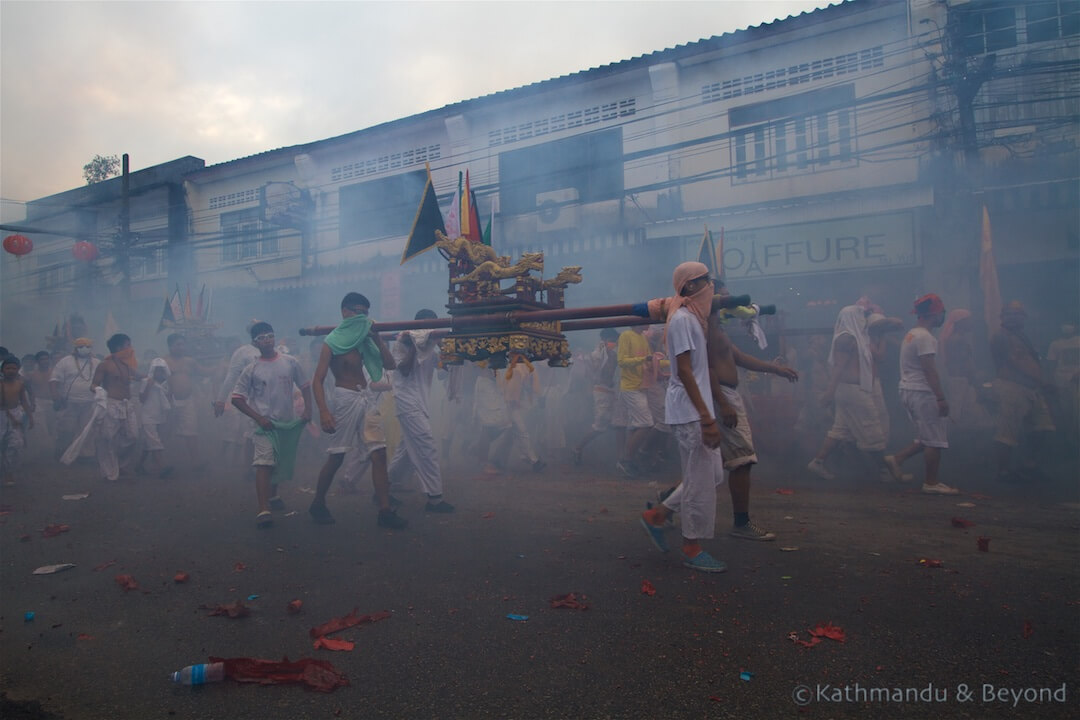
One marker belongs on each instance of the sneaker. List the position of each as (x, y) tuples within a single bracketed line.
[(439, 507), (704, 562), (276, 503), (264, 520), (394, 502), (655, 534), (321, 515), (538, 466), (576, 456), (818, 468), (894, 467), (390, 519), (750, 531), (939, 489)]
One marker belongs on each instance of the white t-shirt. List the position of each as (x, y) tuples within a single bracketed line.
[(74, 375), (917, 342), (684, 334), (411, 392), (156, 405), (489, 407), (241, 358), (267, 386)]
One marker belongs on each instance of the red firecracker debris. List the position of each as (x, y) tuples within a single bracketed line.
[(488, 515), (983, 543), (784, 491), (326, 643), (931, 563), (104, 565), (346, 621), (828, 630), (84, 636), (570, 600), (294, 606), (181, 577), (647, 588), (53, 530), (958, 522), (314, 674), (1028, 629), (233, 610), (239, 567), (127, 582)]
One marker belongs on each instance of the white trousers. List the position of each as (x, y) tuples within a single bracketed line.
[(702, 471), (117, 429), (416, 453)]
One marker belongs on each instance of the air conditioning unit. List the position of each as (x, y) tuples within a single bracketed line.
[(557, 209)]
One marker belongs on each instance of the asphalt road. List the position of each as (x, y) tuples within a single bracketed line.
[(1002, 625)]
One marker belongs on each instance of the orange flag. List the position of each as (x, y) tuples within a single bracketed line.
[(988, 278)]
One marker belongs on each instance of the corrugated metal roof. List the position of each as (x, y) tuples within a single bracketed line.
[(715, 42)]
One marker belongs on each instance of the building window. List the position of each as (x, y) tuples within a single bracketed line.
[(380, 208), (148, 264), (245, 237), (55, 270), (810, 71), (1052, 19), (807, 132), (987, 29)]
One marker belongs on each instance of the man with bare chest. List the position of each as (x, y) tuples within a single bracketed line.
[(117, 427), (736, 442), (350, 350), (14, 412)]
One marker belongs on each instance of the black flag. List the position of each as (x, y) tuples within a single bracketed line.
[(428, 219)]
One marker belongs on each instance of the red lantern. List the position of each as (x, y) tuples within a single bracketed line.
[(18, 245), (85, 251)]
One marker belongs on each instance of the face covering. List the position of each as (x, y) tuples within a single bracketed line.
[(82, 352), (127, 356)]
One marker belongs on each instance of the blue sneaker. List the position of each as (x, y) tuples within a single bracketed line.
[(656, 535), (704, 562)]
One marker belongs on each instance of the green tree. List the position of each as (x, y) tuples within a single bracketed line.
[(102, 167)]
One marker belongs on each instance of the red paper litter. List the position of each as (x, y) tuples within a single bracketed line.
[(181, 577), (828, 630), (647, 588), (233, 610), (931, 563), (102, 566), (1028, 629), (294, 606), (570, 600), (488, 515), (239, 567), (784, 491), (958, 522), (53, 530), (314, 674), (346, 621), (326, 643), (127, 582)]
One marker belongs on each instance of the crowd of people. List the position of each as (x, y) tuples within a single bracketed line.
[(673, 387)]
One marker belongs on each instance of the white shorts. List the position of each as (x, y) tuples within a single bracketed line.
[(151, 438), (656, 395), (931, 430), (351, 409), (603, 400), (858, 418), (187, 421), (737, 443), (632, 410), (264, 454)]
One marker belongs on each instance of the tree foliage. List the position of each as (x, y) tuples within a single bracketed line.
[(102, 167)]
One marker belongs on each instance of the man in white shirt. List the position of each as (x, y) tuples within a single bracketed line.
[(72, 397), (923, 395), (416, 359), (689, 412)]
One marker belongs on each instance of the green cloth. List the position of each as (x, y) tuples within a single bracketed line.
[(354, 333), (284, 438)]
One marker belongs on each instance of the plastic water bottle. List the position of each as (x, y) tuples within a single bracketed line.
[(200, 674)]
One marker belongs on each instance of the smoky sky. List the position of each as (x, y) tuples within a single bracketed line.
[(223, 80)]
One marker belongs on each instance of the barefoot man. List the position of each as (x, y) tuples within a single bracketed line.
[(350, 349)]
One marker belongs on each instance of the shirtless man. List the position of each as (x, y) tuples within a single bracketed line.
[(736, 443), (181, 369), (854, 390), (14, 409), (117, 427), (348, 349)]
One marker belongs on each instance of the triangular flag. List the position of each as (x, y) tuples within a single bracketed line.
[(470, 225), (475, 226), (167, 317), (453, 218), (707, 253), (199, 305), (176, 305), (428, 219), (491, 222), (187, 304), (209, 301), (988, 277)]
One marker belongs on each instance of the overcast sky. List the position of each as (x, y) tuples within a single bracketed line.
[(222, 80)]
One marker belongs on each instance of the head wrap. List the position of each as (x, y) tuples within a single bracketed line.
[(929, 304), (852, 321), (700, 303), (83, 342), (160, 363)]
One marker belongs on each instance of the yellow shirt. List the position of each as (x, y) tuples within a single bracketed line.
[(633, 349)]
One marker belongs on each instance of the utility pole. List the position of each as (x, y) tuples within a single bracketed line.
[(123, 242)]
